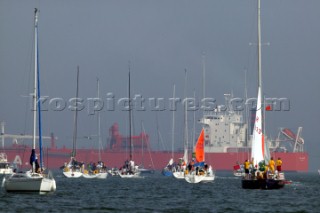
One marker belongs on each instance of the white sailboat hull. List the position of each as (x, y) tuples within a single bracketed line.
[(71, 170), (8, 171), (208, 178), (89, 176), (28, 182), (113, 172), (102, 175), (72, 174), (129, 175), (193, 178), (179, 175), (48, 185), (239, 174)]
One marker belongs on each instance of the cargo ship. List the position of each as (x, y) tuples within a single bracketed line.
[(228, 138), (227, 141)]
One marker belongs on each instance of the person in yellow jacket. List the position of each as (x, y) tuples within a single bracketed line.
[(279, 164), (271, 165), (246, 168)]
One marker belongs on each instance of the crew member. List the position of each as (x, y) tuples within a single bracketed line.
[(271, 165), (279, 164), (246, 168)]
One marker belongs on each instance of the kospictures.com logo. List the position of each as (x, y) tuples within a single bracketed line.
[(138, 103)]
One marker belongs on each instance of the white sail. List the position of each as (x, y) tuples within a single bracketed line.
[(258, 147)]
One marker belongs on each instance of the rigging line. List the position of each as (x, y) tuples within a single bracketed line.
[(144, 131), (30, 71), (161, 139)]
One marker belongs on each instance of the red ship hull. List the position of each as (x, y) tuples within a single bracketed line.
[(55, 158)]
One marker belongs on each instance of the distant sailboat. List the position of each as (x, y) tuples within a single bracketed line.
[(73, 169), (99, 171), (129, 170), (238, 170), (5, 167), (35, 180), (141, 167), (260, 153), (170, 167), (180, 171), (201, 172)]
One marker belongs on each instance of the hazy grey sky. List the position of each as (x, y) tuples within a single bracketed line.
[(160, 39)]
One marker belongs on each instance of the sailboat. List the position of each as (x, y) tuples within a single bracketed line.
[(182, 165), (73, 169), (141, 167), (170, 167), (35, 180), (5, 167), (129, 170), (201, 172), (99, 171), (260, 153), (238, 170)]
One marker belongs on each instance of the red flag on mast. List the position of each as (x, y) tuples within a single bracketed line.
[(268, 108)]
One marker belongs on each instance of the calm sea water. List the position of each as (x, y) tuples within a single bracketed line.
[(156, 193)]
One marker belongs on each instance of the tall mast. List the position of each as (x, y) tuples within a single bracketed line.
[(258, 146), (259, 58), (37, 92), (33, 155), (99, 123), (130, 142), (194, 120), (259, 47), (173, 121), (263, 104), (2, 133), (142, 142), (35, 77), (246, 108), (203, 84), (38, 89), (75, 118), (185, 120), (158, 131), (203, 75)]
